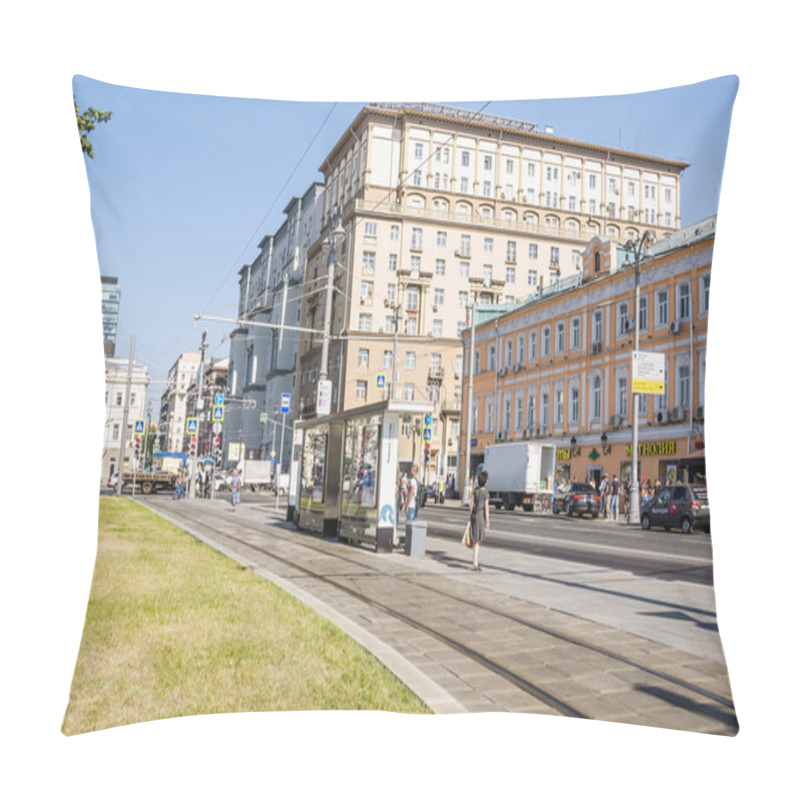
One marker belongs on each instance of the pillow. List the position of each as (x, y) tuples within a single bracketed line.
[(547, 215)]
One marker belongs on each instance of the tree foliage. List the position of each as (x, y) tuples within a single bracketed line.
[(87, 122)]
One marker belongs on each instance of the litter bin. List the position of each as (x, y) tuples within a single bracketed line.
[(416, 532)]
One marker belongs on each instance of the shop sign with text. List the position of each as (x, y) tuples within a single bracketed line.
[(655, 449)]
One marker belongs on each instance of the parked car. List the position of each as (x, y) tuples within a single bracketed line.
[(222, 481), (577, 498), (684, 506)]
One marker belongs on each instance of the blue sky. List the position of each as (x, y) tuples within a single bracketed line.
[(184, 186)]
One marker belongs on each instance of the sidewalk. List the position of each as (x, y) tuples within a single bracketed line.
[(670, 625)]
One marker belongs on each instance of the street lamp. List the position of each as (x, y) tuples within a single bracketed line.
[(467, 441), (636, 248)]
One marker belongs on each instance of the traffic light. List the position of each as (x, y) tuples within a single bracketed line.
[(193, 446), (137, 446), (427, 452), (218, 450)]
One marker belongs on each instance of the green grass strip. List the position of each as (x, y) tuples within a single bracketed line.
[(174, 628)]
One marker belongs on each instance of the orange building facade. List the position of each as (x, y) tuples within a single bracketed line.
[(558, 367)]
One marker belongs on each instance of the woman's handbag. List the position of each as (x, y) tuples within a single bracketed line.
[(466, 539)]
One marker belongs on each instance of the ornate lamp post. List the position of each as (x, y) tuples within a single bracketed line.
[(636, 248)]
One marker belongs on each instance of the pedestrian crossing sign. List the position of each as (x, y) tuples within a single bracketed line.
[(191, 426), (380, 380), (138, 427), (218, 413)]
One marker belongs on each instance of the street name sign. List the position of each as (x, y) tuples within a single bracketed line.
[(648, 372)]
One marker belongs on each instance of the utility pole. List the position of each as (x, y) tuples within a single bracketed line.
[(125, 418), (198, 408), (335, 236)]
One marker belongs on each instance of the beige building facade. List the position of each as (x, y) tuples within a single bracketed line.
[(443, 208)]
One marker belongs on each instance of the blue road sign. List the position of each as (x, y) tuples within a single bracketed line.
[(138, 427), (380, 380), (219, 399), (191, 425), (426, 434), (427, 419), (218, 413), (286, 400)]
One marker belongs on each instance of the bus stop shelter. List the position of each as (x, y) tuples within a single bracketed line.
[(344, 472)]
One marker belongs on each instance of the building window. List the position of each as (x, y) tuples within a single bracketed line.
[(367, 289), (684, 301), (511, 252), (622, 396), (412, 298), (597, 328), (559, 406), (533, 277), (554, 256), (463, 299), (463, 269), (531, 410), (683, 386), (437, 328), (439, 266), (622, 318), (387, 359), (488, 244), (545, 418), (441, 238), (417, 178), (546, 342), (487, 274), (464, 249), (363, 357), (465, 158), (511, 275), (643, 316), (519, 411), (416, 238), (368, 260), (574, 404), (490, 361), (663, 307), (418, 150), (705, 288), (597, 398), (509, 352), (394, 233), (411, 360), (575, 340), (370, 229), (560, 337), (408, 391), (489, 414), (533, 251), (438, 297), (532, 346), (365, 322), (520, 349), (361, 390), (393, 263)]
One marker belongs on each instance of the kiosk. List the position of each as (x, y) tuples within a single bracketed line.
[(344, 472)]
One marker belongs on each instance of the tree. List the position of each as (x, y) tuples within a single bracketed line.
[(87, 122)]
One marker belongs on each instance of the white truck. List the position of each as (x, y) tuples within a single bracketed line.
[(256, 474), (520, 474)]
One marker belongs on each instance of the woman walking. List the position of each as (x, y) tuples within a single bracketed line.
[(479, 516)]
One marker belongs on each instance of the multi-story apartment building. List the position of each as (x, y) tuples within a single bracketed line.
[(172, 417), (263, 360), (116, 388), (443, 208), (557, 368)]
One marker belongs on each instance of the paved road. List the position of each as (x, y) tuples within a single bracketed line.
[(669, 556)]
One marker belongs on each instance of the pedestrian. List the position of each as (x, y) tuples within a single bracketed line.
[(412, 498), (479, 517), (604, 495), (614, 507), (236, 485)]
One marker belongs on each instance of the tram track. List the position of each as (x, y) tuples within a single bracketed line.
[(676, 690)]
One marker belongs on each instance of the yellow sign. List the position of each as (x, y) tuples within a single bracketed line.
[(655, 449), (643, 386)]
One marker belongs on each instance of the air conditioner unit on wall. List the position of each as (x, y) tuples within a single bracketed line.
[(674, 326), (701, 412), (678, 414), (596, 348), (617, 420)]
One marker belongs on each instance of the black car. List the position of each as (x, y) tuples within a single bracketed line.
[(577, 498), (683, 506)]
